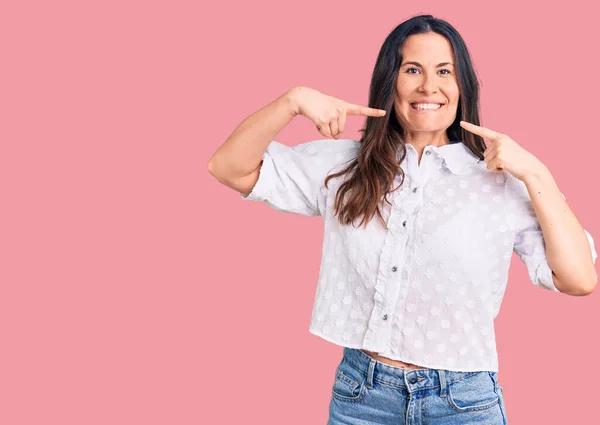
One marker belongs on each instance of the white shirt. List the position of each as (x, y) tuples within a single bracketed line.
[(426, 288)]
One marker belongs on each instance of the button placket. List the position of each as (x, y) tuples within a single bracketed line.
[(402, 209)]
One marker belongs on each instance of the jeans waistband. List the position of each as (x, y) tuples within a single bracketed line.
[(411, 379)]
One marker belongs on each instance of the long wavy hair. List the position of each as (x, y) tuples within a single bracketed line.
[(371, 174)]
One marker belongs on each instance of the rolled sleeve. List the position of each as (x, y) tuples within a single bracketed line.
[(529, 242), (290, 177), (531, 248), (260, 191)]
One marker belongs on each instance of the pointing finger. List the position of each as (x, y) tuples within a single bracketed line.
[(486, 133), (365, 110), (342, 120)]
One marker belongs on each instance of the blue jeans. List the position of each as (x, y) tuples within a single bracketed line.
[(366, 391)]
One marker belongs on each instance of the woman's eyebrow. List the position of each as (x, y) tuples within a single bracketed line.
[(418, 64)]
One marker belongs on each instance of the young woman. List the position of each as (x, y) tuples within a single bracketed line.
[(421, 219)]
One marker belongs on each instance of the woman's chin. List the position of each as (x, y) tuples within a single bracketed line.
[(426, 128)]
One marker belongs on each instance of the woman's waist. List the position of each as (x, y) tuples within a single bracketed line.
[(392, 362)]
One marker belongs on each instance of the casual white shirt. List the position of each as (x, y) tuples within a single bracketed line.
[(424, 289)]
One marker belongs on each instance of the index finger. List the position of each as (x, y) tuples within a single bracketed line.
[(365, 110), (486, 133)]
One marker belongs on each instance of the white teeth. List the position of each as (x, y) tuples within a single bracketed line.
[(421, 106)]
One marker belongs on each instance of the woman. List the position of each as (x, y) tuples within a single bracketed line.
[(411, 292)]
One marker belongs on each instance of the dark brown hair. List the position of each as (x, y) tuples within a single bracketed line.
[(372, 172)]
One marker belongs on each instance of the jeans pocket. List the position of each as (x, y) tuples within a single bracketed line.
[(475, 392), (349, 383)]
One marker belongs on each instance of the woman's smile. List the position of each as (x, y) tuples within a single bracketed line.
[(426, 107)]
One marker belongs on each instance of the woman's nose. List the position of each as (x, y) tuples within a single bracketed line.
[(428, 85)]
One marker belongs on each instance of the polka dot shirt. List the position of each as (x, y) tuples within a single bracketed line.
[(426, 287)]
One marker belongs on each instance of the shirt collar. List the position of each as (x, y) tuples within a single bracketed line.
[(456, 156)]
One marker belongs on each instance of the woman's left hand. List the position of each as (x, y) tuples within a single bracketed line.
[(503, 153)]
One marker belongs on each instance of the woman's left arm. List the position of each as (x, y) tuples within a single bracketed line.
[(568, 250)]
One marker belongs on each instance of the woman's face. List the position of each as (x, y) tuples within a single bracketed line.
[(427, 91)]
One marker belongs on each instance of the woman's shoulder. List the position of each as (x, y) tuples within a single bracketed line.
[(320, 156), (328, 146)]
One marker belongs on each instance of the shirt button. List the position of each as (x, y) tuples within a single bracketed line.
[(394, 268), (428, 153), (404, 223), (413, 380), (414, 190), (385, 317)]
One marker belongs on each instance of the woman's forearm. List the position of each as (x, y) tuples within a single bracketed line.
[(567, 247)]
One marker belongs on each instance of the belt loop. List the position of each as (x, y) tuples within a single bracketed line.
[(494, 376), (443, 387), (370, 373)]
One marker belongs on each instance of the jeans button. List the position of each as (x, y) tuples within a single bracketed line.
[(413, 380)]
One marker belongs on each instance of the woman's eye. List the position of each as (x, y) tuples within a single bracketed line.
[(447, 71), (408, 71)]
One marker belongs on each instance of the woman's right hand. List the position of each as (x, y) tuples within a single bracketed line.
[(328, 113)]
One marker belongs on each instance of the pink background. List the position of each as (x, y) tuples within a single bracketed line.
[(136, 289)]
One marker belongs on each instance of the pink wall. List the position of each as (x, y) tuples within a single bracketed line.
[(136, 289)]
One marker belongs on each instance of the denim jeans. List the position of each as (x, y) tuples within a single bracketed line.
[(366, 391)]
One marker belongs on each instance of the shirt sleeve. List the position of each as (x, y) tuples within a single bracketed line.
[(291, 177), (529, 242)]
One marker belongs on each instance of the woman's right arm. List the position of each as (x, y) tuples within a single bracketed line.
[(236, 163)]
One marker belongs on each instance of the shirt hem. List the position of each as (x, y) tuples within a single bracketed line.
[(405, 360)]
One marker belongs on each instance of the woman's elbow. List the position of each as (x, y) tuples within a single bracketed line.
[(579, 288)]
